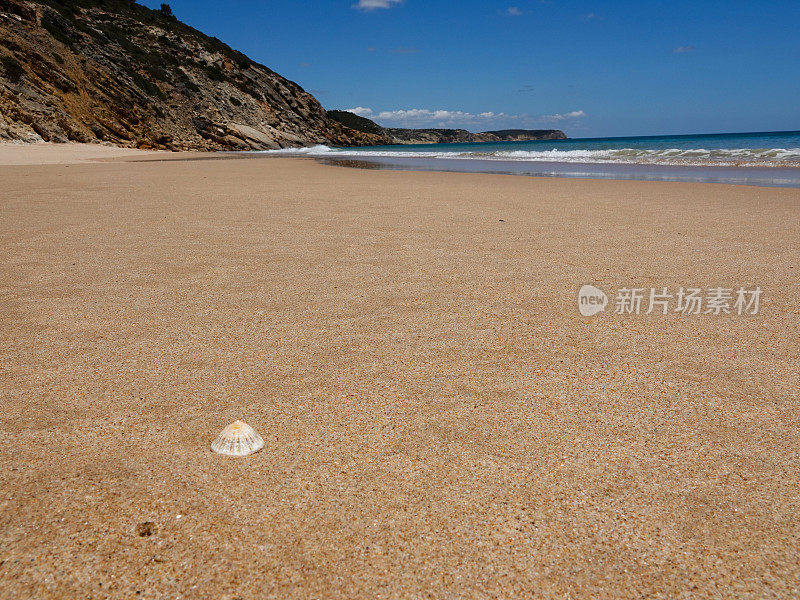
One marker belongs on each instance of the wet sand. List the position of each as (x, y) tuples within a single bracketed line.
[(784, 175), (439, 420)]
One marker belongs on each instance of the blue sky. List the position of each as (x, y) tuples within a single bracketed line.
[(590, 68)]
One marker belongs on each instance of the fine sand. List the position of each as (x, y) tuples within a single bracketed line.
[(439, 420), (63, 154)]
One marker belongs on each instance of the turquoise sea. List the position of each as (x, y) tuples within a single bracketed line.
[(761, 158)]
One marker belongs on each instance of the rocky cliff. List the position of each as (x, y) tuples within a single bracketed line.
[(441, 136), (115, 71)]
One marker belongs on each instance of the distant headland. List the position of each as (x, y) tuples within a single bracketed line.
[(440, 136)]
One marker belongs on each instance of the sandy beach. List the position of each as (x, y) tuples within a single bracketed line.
[(439, 420)]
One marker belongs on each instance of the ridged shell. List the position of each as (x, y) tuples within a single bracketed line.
[(237, 439)]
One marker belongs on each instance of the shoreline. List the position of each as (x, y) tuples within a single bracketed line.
[(752, 175), (13, 154)]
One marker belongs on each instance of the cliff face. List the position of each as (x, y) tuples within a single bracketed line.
[(115, 71)]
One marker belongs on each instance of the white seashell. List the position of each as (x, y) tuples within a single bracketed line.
[(237, 439)]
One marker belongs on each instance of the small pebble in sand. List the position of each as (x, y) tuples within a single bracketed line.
[(145, 529)]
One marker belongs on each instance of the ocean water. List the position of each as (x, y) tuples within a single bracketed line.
[(764, 158)]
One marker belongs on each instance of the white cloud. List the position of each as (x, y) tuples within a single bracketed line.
[(417, 113), (575, 114), (513, 11), (368, 5), (423, 117), (361, 111), (683, 49)]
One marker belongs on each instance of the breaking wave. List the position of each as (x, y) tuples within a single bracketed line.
[(667, 156)]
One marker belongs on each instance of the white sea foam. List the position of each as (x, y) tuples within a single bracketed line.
[(668, 156), (316, 150)]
